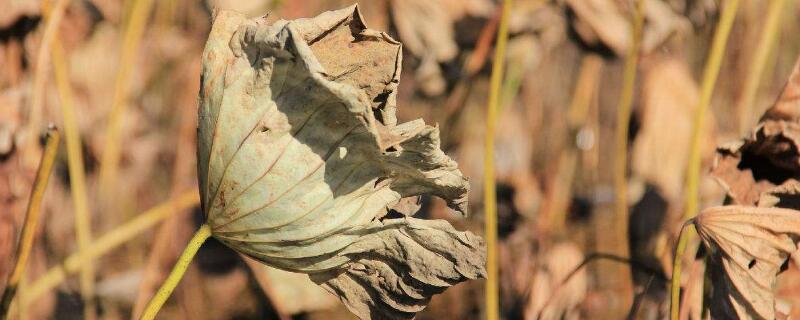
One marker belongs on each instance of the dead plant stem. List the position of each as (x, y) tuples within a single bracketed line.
[(766, 43), (490, 186), (710, 74), (621, 148), (77, 175), (31, 220), (110, 241), (134, 30)]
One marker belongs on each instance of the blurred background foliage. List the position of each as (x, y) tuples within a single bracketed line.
[(130, 71)]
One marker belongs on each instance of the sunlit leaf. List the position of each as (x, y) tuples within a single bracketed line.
[(300, 157)]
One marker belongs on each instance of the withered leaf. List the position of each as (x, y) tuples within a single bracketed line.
[(660, 151), (550, 296), (300, 156), (604, 23), (748, 247), (787, 107), (768, 160)]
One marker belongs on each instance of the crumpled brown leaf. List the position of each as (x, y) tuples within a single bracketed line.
[(660, 151), (748, 247), (604, 22), (767, 162), (550, 297), (787, 107), (300, 155), (426, 29)]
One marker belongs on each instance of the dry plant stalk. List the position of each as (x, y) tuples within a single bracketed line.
[(300, 159), (109, 164), (77, 176), (52, 23), (748, 246), (769, 35), (490, 185), (110, 241), (710, 73), (31, 220), (583, 97), (621, 148)]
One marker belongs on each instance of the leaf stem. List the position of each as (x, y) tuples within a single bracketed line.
[(109, 241), (765, 44), (621, 143), (52, 22), (134, 30), (31, 220), (693, 166), (677, 266), (77, 175), (177, 273), (490, 187)]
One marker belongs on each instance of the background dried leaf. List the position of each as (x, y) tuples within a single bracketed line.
[(748, 246)]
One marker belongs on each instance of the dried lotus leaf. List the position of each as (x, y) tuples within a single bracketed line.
[(767, 161), (300, 155), (787, 107), (748, 245)]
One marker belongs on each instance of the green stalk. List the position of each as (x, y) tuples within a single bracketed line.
[(693, 166), (177, 273), (621, 134), (490, 187)]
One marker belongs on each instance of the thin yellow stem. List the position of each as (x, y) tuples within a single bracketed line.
[(582, 98), (765, 44), (77, 176), (693, 166), (490, 187), (177, 273), (677, 266), (621, 134), (110, 241), (111, 148), (31, 220), (52, 20)]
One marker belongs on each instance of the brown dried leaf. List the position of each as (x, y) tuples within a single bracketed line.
[(426, 28), (787, 107), (550, 297), (669, 97), (605, 22), (748, 247), (767, 161)]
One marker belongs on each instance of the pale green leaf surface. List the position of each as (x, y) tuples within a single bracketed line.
[(300, 157)]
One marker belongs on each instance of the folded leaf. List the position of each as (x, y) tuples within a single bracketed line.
[(748, 245), (300, 157)]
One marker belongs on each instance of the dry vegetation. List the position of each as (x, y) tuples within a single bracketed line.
[(609, 139)]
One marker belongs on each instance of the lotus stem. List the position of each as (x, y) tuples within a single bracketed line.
[(621, 143), (177, 273), (677, 266), (52, 21), (134, 30), (766, 44), (31, 220), (693, 166), (110, 241), (77, 176), (490, 185)]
